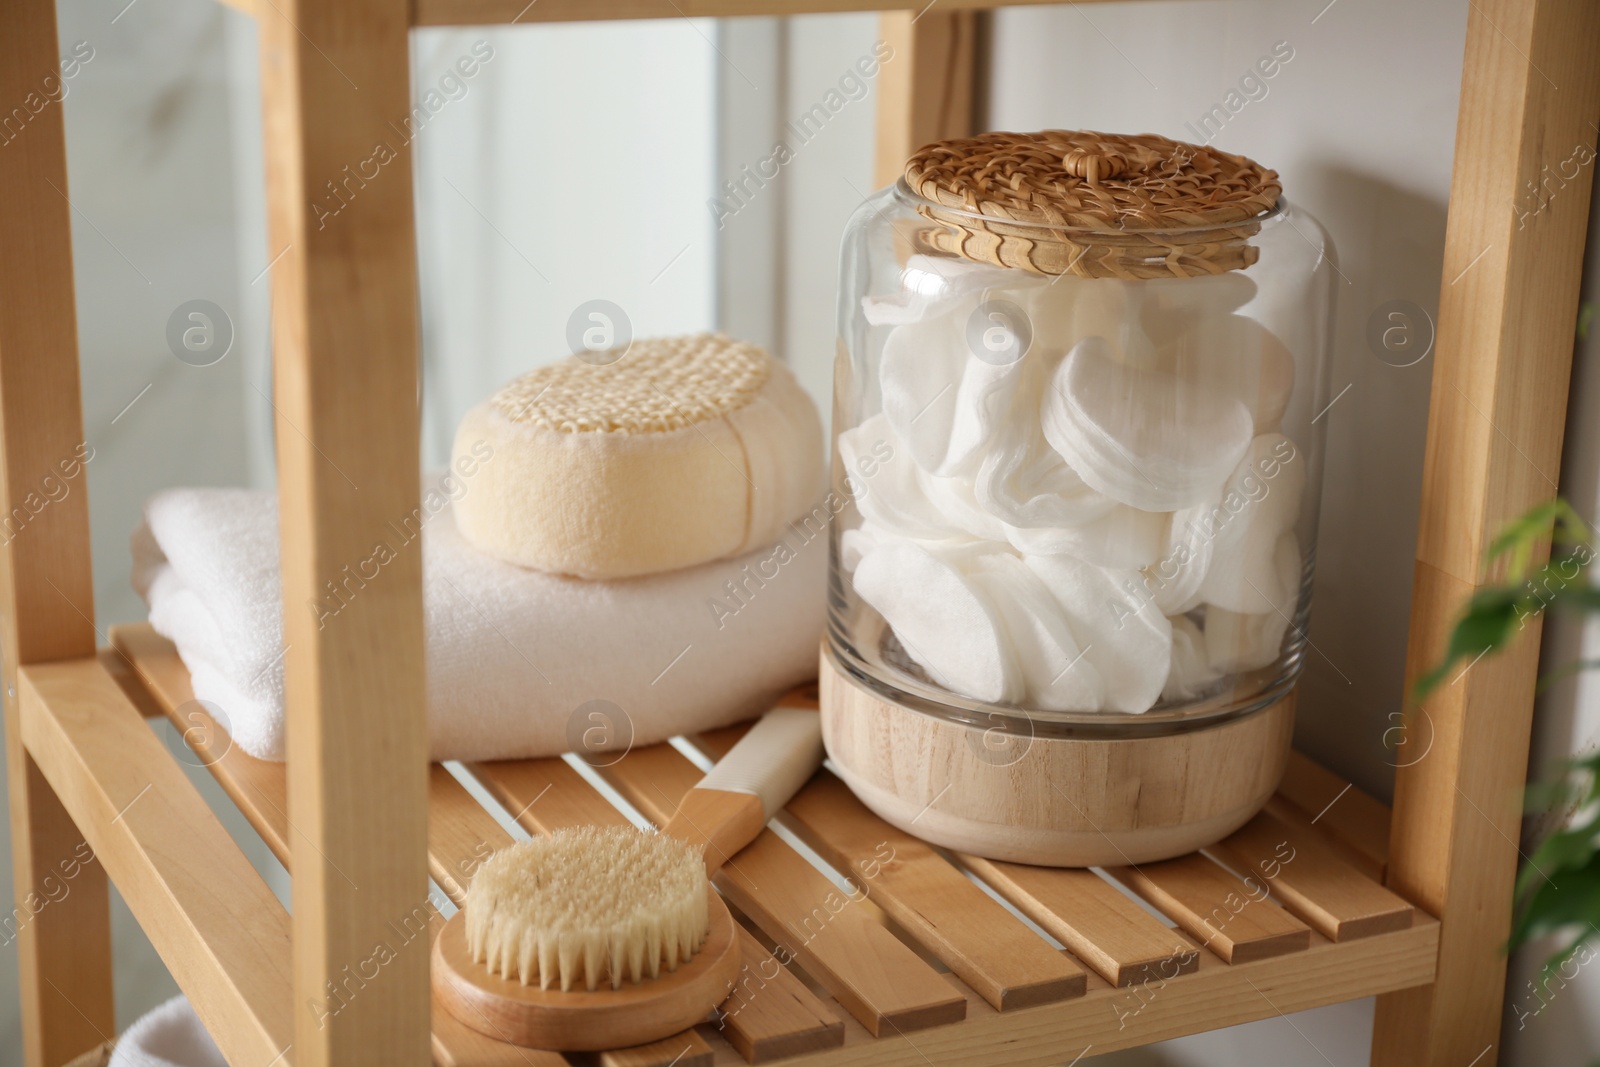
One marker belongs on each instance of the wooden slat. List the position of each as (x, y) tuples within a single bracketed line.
[(1236, 921), (1314, 881), (687, 1049), (136, 689), (771, 1014), (1513, 261), (1118, 939), (926, 89), (546, 795), (257, 787), (219, 929), (1362, 861), (1355, 820), (1108, 1018), (46, 587), (260, 790), (335, 78), (1001, 959), (836, 938), (461, 834)]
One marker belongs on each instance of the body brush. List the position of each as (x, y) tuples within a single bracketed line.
[(594, 938)]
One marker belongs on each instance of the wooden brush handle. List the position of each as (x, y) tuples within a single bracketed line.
[(750, 784)]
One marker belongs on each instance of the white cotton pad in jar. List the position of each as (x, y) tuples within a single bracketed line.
[(1259, 504), (1146, 437), (674, 452), (945, 622), (1191, 670), (1122, 635), (1246, 641), (1054, 670)]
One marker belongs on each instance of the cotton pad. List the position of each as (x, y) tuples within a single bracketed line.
[(948, 403), (1055, 674), (1176, 309), (890, 489), (1174, 578), (1128, 641), (1150, 439), (928, 284), (1245, 642), (1123, 539), (1239, 358), (1022, 481), (944, 622), (679, 451), (1259, 502), (1191, 670)]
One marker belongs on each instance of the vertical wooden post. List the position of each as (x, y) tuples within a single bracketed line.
[(1513, 256), (335, 85), (61, 927), (926, 91)]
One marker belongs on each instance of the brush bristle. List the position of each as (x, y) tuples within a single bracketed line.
[(585, 905)]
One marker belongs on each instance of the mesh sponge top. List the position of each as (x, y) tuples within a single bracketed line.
[(658, 385)]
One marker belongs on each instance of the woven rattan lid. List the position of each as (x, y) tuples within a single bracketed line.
[(1093, 204)]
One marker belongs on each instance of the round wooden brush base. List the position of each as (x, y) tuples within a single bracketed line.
[(1052, 801), (578, 1020)]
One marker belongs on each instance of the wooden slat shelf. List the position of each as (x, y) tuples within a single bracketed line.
[(912, 968)]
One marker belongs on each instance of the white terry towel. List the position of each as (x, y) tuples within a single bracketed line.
[(169, 1035), (514, 656)]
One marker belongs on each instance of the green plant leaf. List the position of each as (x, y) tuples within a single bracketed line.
[(1564, 672), (1491, 617), (1573, 899), (1519, 537), (1571, 849)]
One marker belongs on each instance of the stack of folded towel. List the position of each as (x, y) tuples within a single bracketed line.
[(1102, 523), (703, 632)]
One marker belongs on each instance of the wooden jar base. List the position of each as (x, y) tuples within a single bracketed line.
[(1056, 802), (578, 1020)]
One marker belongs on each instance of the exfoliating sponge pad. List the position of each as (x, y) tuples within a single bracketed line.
[(681, 451)]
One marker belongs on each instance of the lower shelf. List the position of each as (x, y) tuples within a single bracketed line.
[(863, 945)]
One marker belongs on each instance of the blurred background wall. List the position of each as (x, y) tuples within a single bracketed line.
[(583, 162)]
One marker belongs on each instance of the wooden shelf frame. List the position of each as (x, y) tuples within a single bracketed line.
[(365, 837)]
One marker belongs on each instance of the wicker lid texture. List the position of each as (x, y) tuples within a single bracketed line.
[(1099, 205)]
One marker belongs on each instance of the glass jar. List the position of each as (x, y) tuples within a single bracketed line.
[(1076, 419)]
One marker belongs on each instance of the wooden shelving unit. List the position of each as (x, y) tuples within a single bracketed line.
[(927, 967)]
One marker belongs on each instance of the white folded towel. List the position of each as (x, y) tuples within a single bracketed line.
[(512, 653), (169, 1035)]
